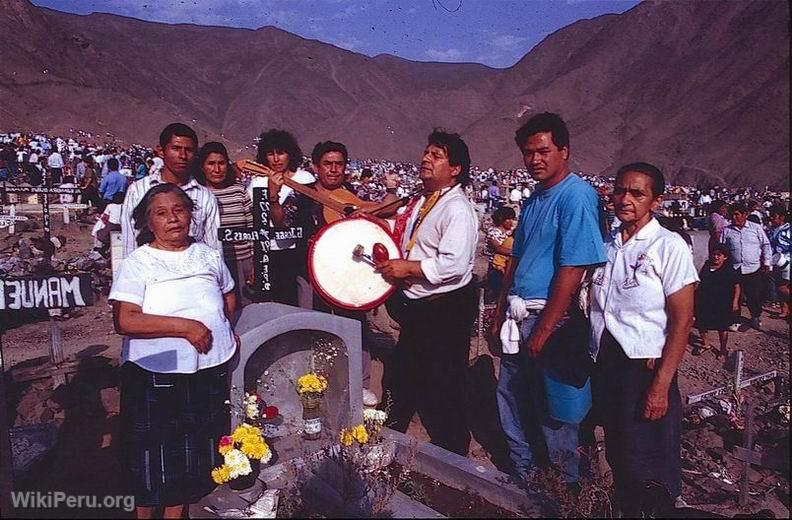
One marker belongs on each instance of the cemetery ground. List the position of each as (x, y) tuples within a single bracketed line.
[(82, 416)]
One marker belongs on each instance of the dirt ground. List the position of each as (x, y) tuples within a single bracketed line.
[(85, 459)]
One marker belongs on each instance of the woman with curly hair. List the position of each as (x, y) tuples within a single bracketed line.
[(279, 152)]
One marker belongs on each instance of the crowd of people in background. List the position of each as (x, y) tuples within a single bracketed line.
[(36, 159), (104, 172)]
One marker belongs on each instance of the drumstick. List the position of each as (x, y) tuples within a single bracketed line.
[(360, 255), (380, 252)]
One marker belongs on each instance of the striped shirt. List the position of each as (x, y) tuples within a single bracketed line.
[(236, 210), (205, 217)]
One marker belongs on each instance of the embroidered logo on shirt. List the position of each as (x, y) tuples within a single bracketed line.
[(642, 264)]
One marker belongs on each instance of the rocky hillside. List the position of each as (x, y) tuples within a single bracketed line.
[(699, 88)]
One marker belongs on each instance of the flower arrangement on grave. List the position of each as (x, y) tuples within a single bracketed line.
[(363, 443), (244, 445), (311, 388), (245, 449), (247, 408)]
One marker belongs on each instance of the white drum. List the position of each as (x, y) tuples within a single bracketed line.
[(341, 271)]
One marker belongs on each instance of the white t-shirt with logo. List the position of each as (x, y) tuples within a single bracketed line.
[(629, 292), (184, 284)]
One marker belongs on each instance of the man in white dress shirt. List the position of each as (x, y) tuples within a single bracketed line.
[(437, 302), (751, 255), (55, 165), (178, 143)]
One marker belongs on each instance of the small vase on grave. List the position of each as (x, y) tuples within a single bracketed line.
[(312, 420)]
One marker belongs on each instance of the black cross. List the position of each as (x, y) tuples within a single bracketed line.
[(45, 192), (260, 234)]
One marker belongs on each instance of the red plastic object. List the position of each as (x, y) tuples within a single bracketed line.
[(380, 252)]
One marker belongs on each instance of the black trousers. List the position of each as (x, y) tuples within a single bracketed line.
[(427, 372), (637, 449), (753, 287)]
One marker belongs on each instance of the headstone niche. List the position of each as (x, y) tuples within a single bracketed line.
[(279, 343)]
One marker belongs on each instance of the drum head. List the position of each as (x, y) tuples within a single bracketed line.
[(341, 279)]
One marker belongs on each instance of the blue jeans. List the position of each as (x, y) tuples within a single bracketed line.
[(533, 437)]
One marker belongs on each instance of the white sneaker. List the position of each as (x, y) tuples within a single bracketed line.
[(734, 327), (369, 398)]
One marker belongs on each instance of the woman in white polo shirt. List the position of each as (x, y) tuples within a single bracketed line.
[(641, 314), (173, 299)]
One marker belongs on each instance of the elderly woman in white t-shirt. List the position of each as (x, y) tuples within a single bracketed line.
[(641, 314), (173, 299)]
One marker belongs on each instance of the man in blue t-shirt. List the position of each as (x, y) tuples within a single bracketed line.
[(557, 238), (114, 182)]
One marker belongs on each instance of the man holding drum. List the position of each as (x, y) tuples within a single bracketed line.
[(438, 303)]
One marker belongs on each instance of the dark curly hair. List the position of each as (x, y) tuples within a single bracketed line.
[(281, 141), (456, 150), (141, 213)]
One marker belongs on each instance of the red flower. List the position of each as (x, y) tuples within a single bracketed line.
[(270, 411), (226, 440)]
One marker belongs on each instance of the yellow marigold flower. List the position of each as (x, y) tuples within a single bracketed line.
[(346, 437), (360, 434), (244, 432), (311, 383), (221, 475), (240, 433), (254, 450)]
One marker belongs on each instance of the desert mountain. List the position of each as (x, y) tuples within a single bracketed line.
[(699, 88)]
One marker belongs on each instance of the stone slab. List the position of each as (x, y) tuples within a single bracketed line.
[(402, 506), (464, 474)]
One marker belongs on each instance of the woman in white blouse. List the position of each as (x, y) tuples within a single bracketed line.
[(641, 314), (173, 299)]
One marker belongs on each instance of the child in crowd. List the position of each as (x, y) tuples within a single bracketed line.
[(717, 299), (499, 244), (107, 222)]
